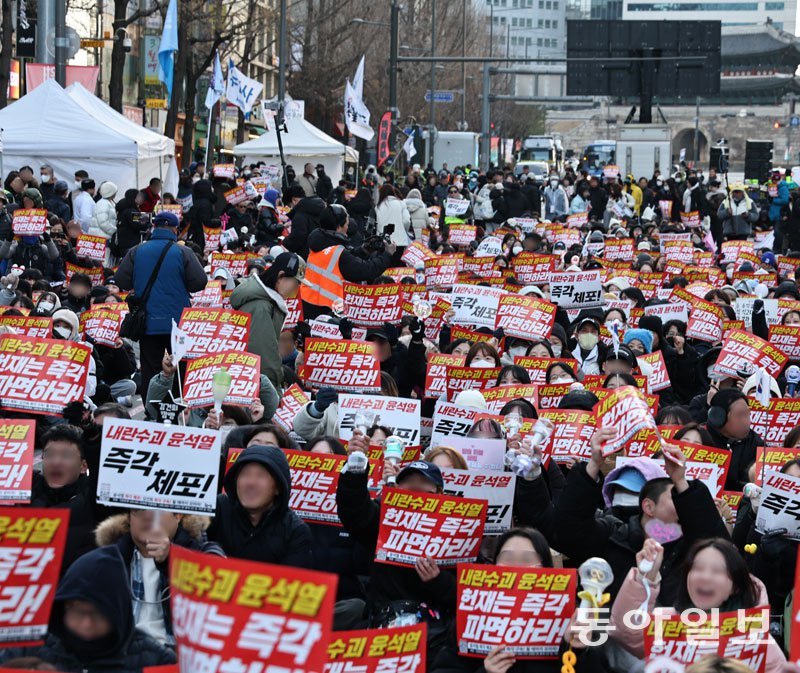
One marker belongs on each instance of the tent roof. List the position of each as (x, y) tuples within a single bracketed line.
[(301, 139), (150, 144), (47, 122)]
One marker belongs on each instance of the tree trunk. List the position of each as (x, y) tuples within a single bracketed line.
[(117, 56), (188, 126), (5, 54), (177, 79)]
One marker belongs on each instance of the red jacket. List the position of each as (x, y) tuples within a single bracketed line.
[(150, 200)]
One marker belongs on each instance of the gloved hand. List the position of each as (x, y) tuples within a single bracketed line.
[(758, 306), (302, 331), (325, 397), (74, 413), (417, 328), (346, 328), (10, 235), (391, 334), (46, 237)]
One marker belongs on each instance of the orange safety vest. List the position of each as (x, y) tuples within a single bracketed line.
[(323, 281)]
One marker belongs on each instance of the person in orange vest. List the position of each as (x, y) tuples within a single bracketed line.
[(331, 262)]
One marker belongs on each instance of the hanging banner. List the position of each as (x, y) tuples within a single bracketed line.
[(384, 137), (497, 488), (241, 614), (347, 366), (399, 414), (400, 650), (42, 376), (37, 73), (524, 611), (417, 525), (152, 466), (32, 547), (372, 305), (243, 368), (215, 330), (16, 460)]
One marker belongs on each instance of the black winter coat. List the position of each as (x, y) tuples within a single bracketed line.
[(131, 226), (280, 537), (354, 268), (101, 579), (335, 551), (743, 454), (582, 532), (305, 219), (360, 516), (201, 213)]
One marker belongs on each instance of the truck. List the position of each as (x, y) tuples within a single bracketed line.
[(597, 155), (539, 150), (455, 148), (643, 149)]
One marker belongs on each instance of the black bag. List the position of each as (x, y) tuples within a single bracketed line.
[(134, 324)]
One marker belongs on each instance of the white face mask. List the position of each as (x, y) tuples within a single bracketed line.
[(76, 185), (556, 350), (46, 306), (62, 332), (516, 249), (587, 341), (622, 499), (562, 379), (517, 351), (482, 364), (554, 183), (44, 178)]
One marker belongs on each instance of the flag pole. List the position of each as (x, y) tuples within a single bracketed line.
[(208, 132)]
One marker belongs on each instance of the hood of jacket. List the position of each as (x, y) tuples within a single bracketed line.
[(274, 461), (101, 579), (202, 189), (118, 526), (311, 205), (252, 289), (414, 205), (321, 239)]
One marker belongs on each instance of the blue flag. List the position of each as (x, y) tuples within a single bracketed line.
[(168, 47), (216, 87)]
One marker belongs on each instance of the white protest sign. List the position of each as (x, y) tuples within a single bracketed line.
[(490, 246), (668, 312), (576, 290), (480, 453), (497, 488), (456, 207), (780, 504), (330, 330), (151, 466), (401, 415), (451, 420), (475, 305), (744, 310)]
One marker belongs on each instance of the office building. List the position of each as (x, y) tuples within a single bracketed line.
[(782, 13)]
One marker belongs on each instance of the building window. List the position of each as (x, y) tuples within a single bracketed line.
[(540, 23), (555, 43), (555, 24), (515, 3), (555, 5), (541, 4), (514, 21), (529, 23), (529, 41), (775, 6), (693, 7), (503, 20)]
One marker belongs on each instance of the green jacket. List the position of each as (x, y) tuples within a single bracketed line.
[(269, 313)]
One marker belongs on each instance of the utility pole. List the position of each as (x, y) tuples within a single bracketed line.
[(61, 42), (282, 58), (486, 145), (464, 67), (433, 86), (394, 48), (697, 132)]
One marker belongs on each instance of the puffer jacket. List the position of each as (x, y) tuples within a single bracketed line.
[(632, 596), (419, 214), (309, 426), (104, 219), (305, 219), (280, 536), (100, 578), (739, 222), (269, 313), (394, 211)]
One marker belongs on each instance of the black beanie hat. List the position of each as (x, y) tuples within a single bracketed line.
[(726, 397)]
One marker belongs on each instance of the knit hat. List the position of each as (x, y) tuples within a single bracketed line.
[(580, 399), (470, 398), (108, 190), (643, 335), (69, 317), (34, 195), (271, 196), (787, 287)]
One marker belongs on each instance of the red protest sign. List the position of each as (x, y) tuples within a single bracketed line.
[(16, 460), (237, 195), (235, 263), (705, 321), (787, 339), (348, 366), (245, 372), (415, 254), (548, 396), (95, 273), (315, 477), (210, 297), (41, 376), (525, 611), (29, 221), (224, 171), (212, 237), (294, 313), (442, 271), (32, 543), (215, 330), (537, 367), (91, 247), (372, 305), (442, 527), (497, 397), (251, 613), (436, 372), (399, 649), (691, 220), (577, 220), (626, 410), (741, 349), (742, 635), (525, 317), (480, 266), (658, 379), (533, 268), (101, 323), (571, 435), (470, 378), (697, 453), (461, 234), (733, 499), (292, 401), (32, 326), (618, 249)]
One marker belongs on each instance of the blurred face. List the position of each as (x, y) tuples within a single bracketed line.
[(461, 349), (286, 286), (663, 510), (378, 437), (518, 551), (84, 620), (509, 378), (794, 470), (155, 188), (263, 438), (61, 463), (322, 447), (539, 351), (144, 520), (27, 203), (416, 482), (708, 583), (256, 488), (738, 424), (442, 460), (18, 184), (285, 344), (79, 290), (692, 436), (791, 318), (383, 349)]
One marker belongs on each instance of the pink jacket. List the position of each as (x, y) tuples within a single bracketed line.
[(631, 597)]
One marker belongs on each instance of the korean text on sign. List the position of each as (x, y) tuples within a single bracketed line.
[(151, 466), (576, 290), (400, 414), (497, 488), (41, 376), (372, 305), (245, 372), (16, 460), (780, 504), (527, 611), (442, 527), (32, 546), (215, 330), (627, 412), (229, 614), (348, 366), (399, 650)]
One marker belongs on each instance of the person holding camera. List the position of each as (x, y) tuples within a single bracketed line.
[(331, 262)]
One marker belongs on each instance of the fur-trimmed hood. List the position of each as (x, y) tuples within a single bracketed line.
[(118, 526)]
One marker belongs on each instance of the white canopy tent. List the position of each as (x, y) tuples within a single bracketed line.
[(48, 126), (302, 143)]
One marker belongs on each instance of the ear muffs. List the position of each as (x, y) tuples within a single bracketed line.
[(717, 417)]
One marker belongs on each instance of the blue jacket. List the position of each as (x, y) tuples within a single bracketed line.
[(180, 274), (779, 201)]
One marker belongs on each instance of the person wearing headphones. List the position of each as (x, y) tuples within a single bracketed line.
[(331, 262), (729, 426)]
